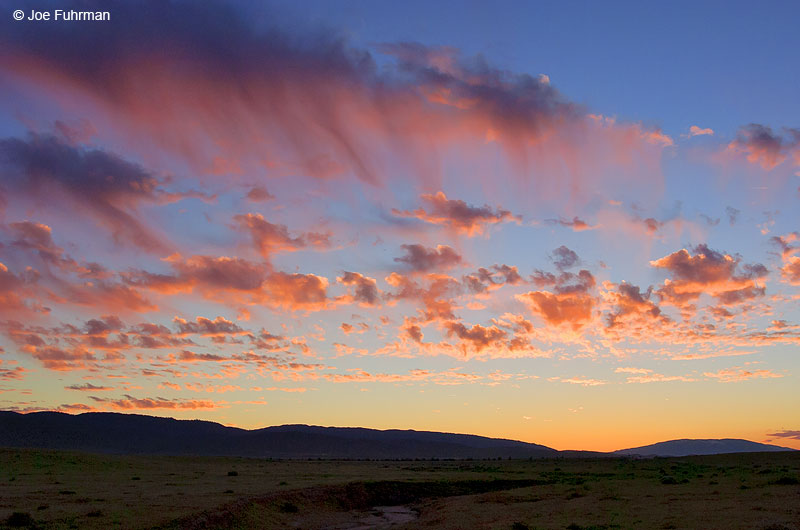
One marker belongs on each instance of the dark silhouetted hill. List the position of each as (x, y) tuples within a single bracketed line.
[(700, 447), (106, 432), (136, 434)]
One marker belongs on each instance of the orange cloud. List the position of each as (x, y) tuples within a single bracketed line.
[(583, 381), (791, 270), (570, 303), (736, 374), (207, 327), (762, 146), (238, 281), (12, 286), (644, 375), (719, 275), (132, 403), (296, 291), (629, 304), (790, 254), (436, 296), (458, 215), (12, 374), (484, 280), (574, 309), (576, 224), (270, 238), (477, 337)]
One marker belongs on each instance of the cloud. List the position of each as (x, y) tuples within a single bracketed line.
[(457, 214), (208, 273), (733, 214), (736, 374), (790, 254), (694, 130), (762, 146), (644, 375), (12, 374), (60, 359), (13, 288), (574, 309), (270, 238), (104, 325), (477, 337), (786, 434), (632, 370), (207, 327), (791, 270), (321, 95), (413, 331), (485, 280), (576, 224), (564, 258), (630, 304), (569, 303), (311, 104), (422, 259), (236, 280), (359, 328), (435, 291), (707, 271), (103, 295), (131, 403), (38, 237), (583, 381), (88, 387), (92, 181), (296, 291), (366, 292), (259, 194), (25, 294), (186, 356)]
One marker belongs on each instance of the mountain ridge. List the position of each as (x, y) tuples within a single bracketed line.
[(111, 432), (700, 446)]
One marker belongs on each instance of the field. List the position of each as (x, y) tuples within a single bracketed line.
[(53, 489)]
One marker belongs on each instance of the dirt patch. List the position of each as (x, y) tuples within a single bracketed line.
[(357, 505), (380, 517)]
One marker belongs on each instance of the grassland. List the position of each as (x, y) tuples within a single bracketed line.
[(54, 489)]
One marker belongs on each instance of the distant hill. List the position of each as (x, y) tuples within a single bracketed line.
[(688, 447), (106, 432)]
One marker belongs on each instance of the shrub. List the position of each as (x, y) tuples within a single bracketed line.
[(288, 507), (787, 481), (18, 519), (233, 473)]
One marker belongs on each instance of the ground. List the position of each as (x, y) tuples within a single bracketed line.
[(56, 489)]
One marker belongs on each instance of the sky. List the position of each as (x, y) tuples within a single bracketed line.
[(570, 223)]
